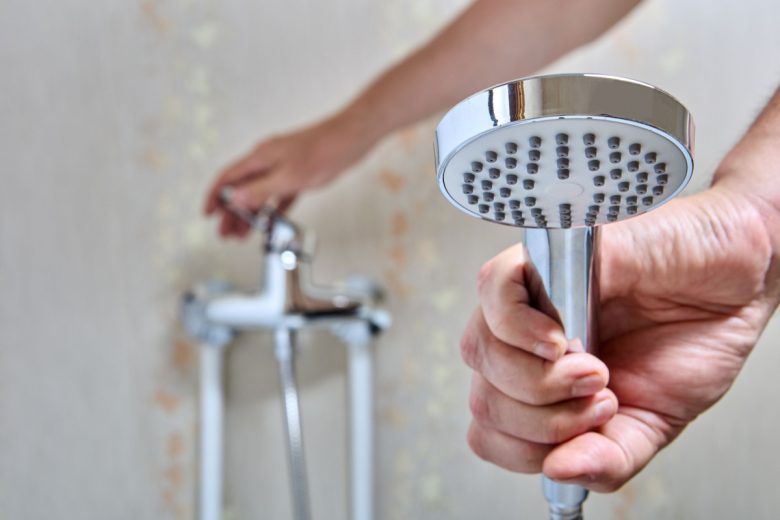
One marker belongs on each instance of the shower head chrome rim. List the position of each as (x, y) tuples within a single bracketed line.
[(564, 151)]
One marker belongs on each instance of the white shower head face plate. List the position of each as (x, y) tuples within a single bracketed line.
[(565, 172)]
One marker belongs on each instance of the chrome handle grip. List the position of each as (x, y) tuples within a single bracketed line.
[(567, 266)]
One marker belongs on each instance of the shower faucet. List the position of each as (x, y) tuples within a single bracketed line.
[(561, 156), (213, 314)]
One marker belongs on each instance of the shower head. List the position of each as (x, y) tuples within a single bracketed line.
[(561, 155), (564, 151)]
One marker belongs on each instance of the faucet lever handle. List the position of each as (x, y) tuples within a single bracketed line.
[(280, 232), (257, 219)]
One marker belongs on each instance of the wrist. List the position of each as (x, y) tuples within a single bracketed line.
[(755, 216), (752, 168), (750, 182)]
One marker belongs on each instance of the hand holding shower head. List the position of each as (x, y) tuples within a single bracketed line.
[(560, 155)]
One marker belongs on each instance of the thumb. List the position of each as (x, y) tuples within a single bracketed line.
[(605, 459)]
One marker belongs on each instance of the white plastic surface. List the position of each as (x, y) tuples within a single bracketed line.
[(579, 189)]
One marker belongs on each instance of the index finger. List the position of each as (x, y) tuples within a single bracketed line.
[(504, 288), (252, 164)]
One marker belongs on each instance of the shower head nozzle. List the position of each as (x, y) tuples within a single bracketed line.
[(564, 151)]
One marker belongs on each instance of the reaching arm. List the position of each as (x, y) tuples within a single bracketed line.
[(491, 41)]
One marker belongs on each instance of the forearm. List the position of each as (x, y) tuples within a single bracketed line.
[(492, 41)]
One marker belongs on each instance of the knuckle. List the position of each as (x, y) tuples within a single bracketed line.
[(530, 467), (485, 274), (502, 323), (475, 442), (528, 463), (479, 406), (557, 430), (539, 391), (469, 349)]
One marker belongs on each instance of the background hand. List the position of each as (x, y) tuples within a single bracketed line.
[(684, 297), (278, 169)]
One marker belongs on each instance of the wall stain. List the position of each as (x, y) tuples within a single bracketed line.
[(151, 14), (174, 476), (392, 180), (175, 445), (183, 356), (181, 134), (399, 226), (172, 505), (398, 256), (154, 160), (168, 402)]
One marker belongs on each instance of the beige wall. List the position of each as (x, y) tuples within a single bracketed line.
[(113, 118)]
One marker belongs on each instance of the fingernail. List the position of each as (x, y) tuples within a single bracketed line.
[(603, 410), (580, 480), (587, 385), (546, 350)]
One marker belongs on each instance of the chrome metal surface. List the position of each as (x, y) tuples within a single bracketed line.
[(287, 287), (567, 289), (284, 349), (565, 500), (564, 151), (214, 314), (566, 261)]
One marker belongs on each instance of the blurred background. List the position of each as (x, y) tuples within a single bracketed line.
[(114, 117)]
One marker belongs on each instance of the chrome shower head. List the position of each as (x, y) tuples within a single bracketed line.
[(561, 155), (564, 151)]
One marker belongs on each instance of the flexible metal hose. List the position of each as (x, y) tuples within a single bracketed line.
[(285, 356), (560, 514)]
